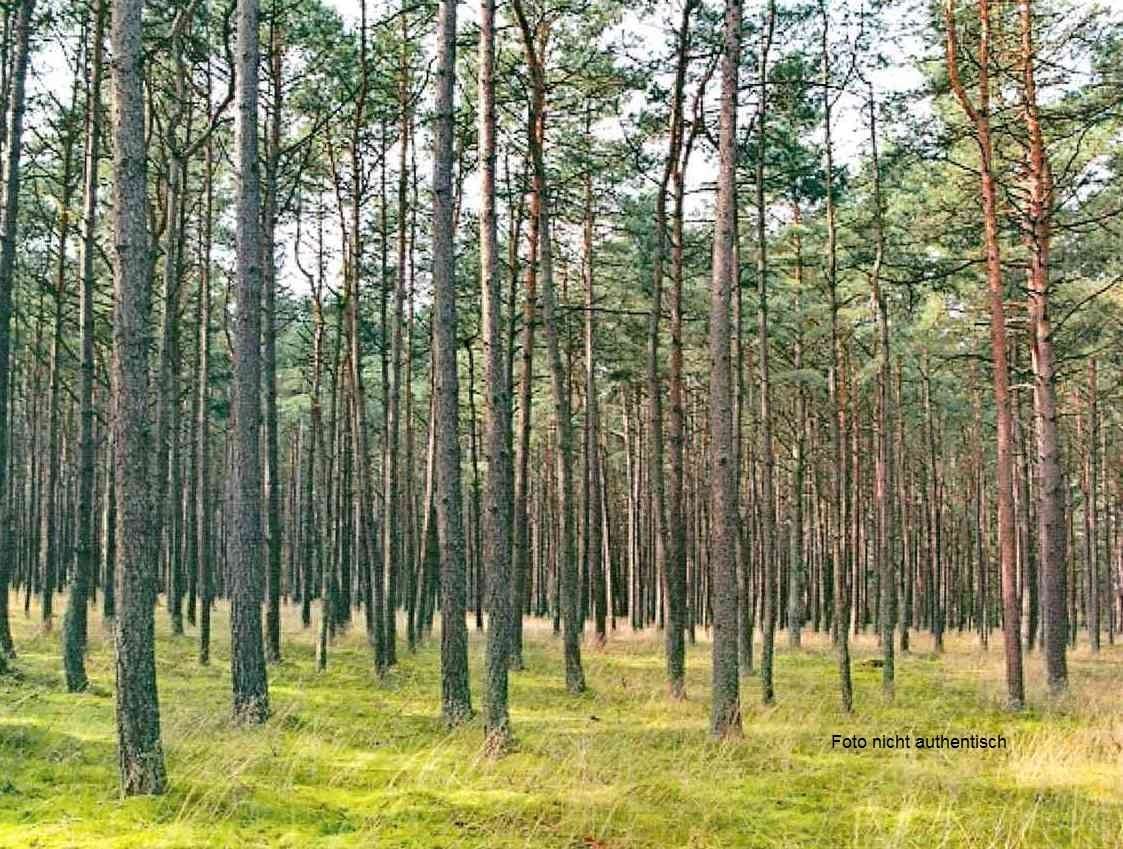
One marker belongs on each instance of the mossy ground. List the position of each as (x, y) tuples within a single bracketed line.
[(351, 761)]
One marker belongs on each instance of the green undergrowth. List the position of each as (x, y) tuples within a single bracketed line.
[(351, 761)]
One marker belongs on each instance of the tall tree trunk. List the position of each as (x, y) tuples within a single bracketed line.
[(247, 655), (567, 512), (521, 538), (370, 574), (979, 115), (140, 754), (456, 704), (74, 628), (497, 492), (49, 558), (594, 542), (269, 352), (1091, 543), (886, 509), (725, 721), (837, 411), (767, 458), (675, 515), (797, 571), (1051, 508), (205, 578), (392, 533)]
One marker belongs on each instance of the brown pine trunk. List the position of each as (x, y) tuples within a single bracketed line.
[(1051, 507), (837, 412), (979, 114), (247, 654), (205, 577), (767, 458), (886, 510), (269, 353), (594, 542), (140, 754), (725, 721), (75, 626), (456, 705), (567, 508), (497, 493), (677, 602)]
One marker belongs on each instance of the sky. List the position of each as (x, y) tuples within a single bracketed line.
[(50, 78)]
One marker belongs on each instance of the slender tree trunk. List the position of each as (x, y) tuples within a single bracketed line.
[(456, 705), (767, 458), (725, 721), (797, 571), (49, 559), (392, 535), (521, 538), (497, 492), (1091, 543), (205, 578), (247, 655), (269, 352), (1050, 474), (140, 754), (594, 542), (837, 412), (675, 515), (74, 640), (886, 509), (979, 114), (567, 512)]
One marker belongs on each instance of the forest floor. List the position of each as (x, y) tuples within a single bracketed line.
[(349, 761)]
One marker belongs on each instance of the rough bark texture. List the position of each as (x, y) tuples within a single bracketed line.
[(247, 655), (205, 578), (269, 355), (456, 705), (497, 491), (725, 720), (1051, 530), (979, 115), (140, 754)]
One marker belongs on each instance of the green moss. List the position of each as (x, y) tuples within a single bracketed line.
[(351, 761)]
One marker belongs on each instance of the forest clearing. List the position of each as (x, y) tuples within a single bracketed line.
[(348, 761)]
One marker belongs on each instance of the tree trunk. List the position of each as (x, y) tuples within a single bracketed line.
[(979, 114), (886, 510), (247, 655), (74, 640), (594, 542), (767, 459), (837, 410), (140, 754), (1051, 494), (269, 355), (456, 705), (497, 492), (725, 720)]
